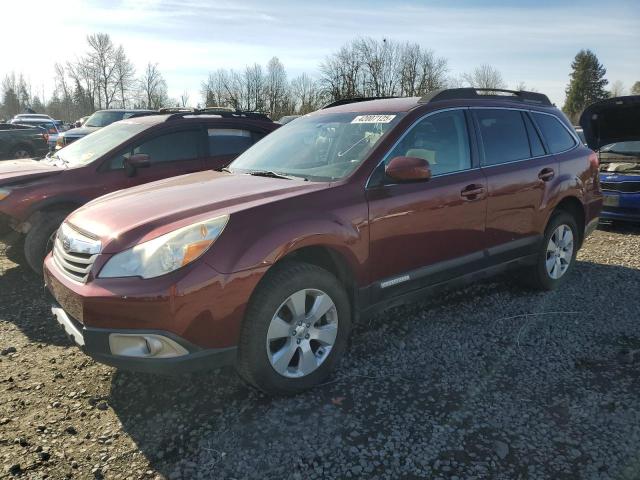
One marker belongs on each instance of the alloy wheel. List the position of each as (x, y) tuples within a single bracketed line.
[(302, 333), (559, 251)]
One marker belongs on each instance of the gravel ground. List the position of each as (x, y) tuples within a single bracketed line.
[(491, 381)]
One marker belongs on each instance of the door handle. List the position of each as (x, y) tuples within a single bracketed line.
[(546, 174), (471, 192)]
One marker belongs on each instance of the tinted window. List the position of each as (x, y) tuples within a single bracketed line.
[(557, 137), (228, 141), (504, 138), (537, 149), (441, 139), (171, 146)]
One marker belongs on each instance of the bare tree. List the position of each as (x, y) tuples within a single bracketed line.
[(184, 98), (635, 89), (617, 89), (306, 94), (420, 71), (124, 75), (484, 76), (153, 87), (102, 59), (278, 98)]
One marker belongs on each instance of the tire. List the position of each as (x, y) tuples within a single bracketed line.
[(21, 151), (540, 276), (38, 241), (262, 362)]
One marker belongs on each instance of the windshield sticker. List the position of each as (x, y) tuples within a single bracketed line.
[(373, 119)]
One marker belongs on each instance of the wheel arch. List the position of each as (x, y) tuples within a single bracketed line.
[(574, 207)]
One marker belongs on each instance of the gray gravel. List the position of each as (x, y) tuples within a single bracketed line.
[(490, 381)]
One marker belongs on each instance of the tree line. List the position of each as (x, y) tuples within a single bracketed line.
[(104, 77)]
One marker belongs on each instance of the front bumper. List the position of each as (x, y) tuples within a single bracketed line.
[(196, 308), (95, 343)]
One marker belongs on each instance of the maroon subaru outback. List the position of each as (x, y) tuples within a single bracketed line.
[(357, 206), (35, 196)]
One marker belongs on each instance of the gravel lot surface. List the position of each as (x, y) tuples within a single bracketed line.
[(488, 382)]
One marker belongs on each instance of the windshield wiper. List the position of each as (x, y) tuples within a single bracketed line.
[(223, 169), (270, 174)]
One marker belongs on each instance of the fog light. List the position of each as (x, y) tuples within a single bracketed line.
[(144, 346)]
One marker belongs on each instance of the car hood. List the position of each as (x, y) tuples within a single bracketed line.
[(17, 171), (79, 132), (612, 120), (131, 216)]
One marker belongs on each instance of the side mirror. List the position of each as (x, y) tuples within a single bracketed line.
[(134, 162), (408, 169)]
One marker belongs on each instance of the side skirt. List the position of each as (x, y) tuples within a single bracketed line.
[(430, 290)]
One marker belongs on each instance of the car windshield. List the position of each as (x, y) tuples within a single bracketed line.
[(321, 147), (104, 118), (89, 148), (624, 148)]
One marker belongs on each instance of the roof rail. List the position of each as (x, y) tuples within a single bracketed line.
[(175, 110), (470, 93), (224, 113), (141, 114), (346, 101)]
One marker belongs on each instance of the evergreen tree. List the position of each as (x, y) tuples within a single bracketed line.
[(586, 85)]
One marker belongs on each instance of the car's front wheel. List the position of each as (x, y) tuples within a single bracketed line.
[(295, 329)]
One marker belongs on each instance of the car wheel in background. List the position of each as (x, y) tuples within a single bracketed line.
[(21, 152), (295, 329), (39, 240), (557, 253)]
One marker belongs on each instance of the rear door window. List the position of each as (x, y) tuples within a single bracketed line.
[(557, 137), (229, 141), (170, 147), (504, 136)]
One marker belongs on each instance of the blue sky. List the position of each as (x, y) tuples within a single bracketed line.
[(528, 41)]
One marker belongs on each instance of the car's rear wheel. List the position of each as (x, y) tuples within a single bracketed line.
[(39, 240), (295, 329), (557, 253), (21, 151)]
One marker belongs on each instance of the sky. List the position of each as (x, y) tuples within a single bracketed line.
[(530, 41)]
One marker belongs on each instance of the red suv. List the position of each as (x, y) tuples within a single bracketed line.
[(354, 207), (35, 196)]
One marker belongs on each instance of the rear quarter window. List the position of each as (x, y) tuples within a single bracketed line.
[(557, 137)]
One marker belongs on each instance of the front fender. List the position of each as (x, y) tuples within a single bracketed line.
[(265, 249)]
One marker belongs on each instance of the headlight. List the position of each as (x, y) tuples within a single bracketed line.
[(4, 193), (167, 252)]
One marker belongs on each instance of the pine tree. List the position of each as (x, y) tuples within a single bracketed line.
[(586, 85)]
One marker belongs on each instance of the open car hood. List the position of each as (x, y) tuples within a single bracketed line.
[(610, 121)]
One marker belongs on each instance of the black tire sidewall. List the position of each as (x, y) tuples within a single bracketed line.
[(556, 220), (253, 360), (36, 240)]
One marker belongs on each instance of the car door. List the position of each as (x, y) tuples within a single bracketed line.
[(226, 142), (427, 232), (520, 176)]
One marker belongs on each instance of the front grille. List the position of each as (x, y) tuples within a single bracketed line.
[(75, 265), (74, 252), (624, 187)]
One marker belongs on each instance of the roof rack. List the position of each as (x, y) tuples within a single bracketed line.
[(346, 101), (477, 93), (220, 112), (175, 110)]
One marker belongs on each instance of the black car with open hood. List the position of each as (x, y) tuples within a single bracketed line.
[(610, 121), (612, 127)]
